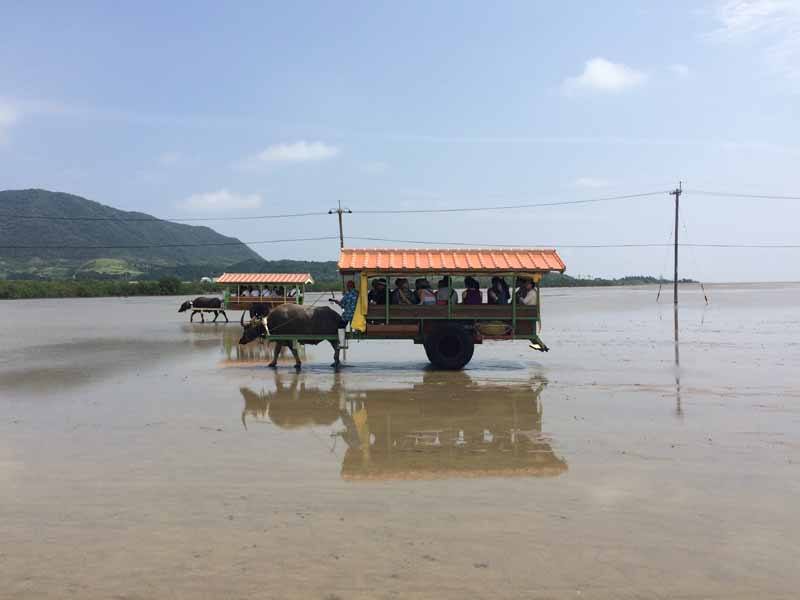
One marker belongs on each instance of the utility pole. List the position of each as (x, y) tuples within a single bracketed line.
[(677, 193), (339, 211)]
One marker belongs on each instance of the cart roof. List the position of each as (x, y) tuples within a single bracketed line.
[(271, 278), (449, 260)]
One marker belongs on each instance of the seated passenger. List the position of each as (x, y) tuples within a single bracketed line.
[(266, 293), (472, 295), (402, 294), (498, 293), (243, 293), (444, 291), (255, 293), (526, 294), (424, 293), (377, 295)]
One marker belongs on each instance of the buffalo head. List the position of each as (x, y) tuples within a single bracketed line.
[(256, 328), (185, 306)]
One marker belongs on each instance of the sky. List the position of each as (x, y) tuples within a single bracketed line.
[(213, 110)]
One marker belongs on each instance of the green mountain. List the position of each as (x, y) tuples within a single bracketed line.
[(103, 242)]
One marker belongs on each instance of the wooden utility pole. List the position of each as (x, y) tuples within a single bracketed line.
[(677, 193), (339, 211)]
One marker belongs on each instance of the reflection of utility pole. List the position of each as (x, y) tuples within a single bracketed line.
[(339, 211), (679, 410)]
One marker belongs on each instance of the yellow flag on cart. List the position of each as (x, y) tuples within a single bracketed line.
[(359, 322)]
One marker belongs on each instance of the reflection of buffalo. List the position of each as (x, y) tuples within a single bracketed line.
[(291, 407), (291, 320), (203, 303), (447, 426)]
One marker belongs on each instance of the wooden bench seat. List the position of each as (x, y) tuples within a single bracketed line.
[(459, 311)]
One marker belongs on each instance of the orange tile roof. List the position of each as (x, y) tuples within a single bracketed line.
[(265, 278), (464, 260)]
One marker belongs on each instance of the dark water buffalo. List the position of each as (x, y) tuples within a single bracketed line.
[(258, 310), (291, 320), (203, 303)]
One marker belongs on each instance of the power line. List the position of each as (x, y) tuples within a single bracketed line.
[(147, 246), (146, 219), (390, 240), (737, 195), (159, 220), (505, 207), (632, 245)]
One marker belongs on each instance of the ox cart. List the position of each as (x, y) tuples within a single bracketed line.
[(452, 325), (258, 293)]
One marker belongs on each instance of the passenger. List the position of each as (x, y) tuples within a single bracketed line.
[(472, 295), (243, 293), (377, 295), (526, 294), (255, 293), (266, 293), (423, 291), (402, 294), (498, 293), (444, 291), (348, 303)]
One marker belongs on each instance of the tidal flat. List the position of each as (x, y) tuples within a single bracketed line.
[(145, 457)]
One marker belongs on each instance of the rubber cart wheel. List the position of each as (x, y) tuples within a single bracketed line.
[(449, 347)]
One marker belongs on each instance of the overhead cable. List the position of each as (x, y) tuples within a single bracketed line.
[(320, 213), (191, 245), (738, 195), (632, 245), (505, 207), (157, 219)]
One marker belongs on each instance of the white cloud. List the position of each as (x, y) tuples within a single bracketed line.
[(221, 200), (301, 151), (679, 70), (591, 182), (9, 115), (771, 25), (374, 168), (167, 159), (601, 75)]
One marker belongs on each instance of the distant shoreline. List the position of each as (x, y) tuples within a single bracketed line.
[(43, 289)]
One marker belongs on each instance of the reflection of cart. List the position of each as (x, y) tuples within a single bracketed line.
[(242, 291)]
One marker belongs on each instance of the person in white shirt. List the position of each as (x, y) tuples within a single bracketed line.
[(526, 294), (255, 293), (243, 293)]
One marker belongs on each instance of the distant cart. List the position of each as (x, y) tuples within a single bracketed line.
[(262, 291)]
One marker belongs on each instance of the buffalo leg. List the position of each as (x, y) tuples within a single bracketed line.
[(278, 348), (297, 363), (202, 317), (216, 314), (224, 315), (191, 317), (336, 348)]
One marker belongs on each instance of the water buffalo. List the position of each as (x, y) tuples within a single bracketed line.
[(259, 310), (203, 303), (292, 320)]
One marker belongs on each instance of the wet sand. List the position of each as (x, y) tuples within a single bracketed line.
[(143, 457)]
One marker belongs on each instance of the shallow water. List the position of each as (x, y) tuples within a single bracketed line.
[(144, 457)]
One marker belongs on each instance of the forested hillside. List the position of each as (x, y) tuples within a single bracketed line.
[(103, 241)]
